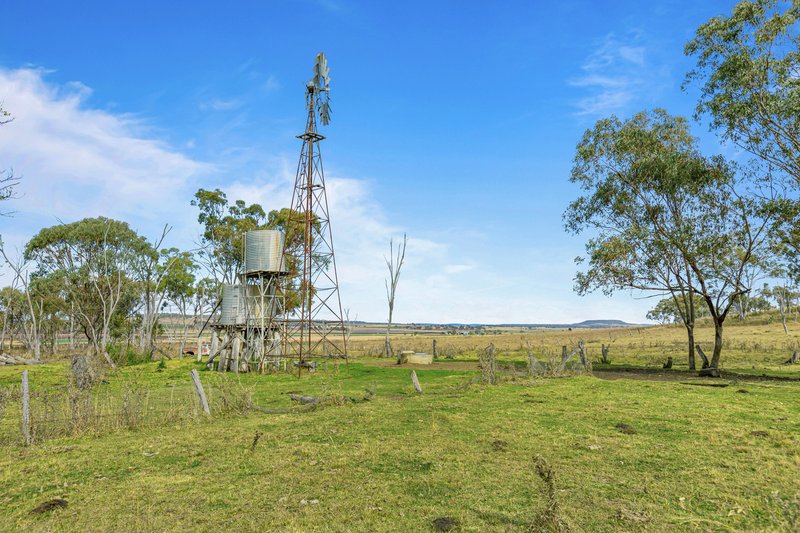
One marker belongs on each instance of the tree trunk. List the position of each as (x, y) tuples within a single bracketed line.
[(387, 349), (702, 354), (692, 360), (717, 343)]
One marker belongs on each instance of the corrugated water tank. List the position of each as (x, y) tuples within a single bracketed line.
[(262, 251)]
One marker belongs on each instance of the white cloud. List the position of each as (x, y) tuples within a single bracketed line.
[(76, 161), (615, 75)]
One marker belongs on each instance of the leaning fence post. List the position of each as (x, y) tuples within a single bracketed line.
[(198, 387), (415, 381), (26, 409)]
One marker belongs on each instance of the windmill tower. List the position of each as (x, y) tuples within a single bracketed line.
[(312, 324)]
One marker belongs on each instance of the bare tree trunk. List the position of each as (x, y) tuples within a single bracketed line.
[(690, 333), (717, 343), (782, 309), (394, 263), (387, 349), (3, 334)]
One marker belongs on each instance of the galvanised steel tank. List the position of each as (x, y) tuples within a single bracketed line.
[(262, 251)]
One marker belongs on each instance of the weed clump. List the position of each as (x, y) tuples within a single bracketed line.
[(549, 519)]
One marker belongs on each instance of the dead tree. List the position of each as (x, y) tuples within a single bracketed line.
[(587, 365), (394, 263), (604, 354), (31, 327)]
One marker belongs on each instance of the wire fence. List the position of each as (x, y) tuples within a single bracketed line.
[(65, 410)]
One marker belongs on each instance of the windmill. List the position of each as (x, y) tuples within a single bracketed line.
[(312, 325)]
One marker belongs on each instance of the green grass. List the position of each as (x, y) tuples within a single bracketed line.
[(399, 461)]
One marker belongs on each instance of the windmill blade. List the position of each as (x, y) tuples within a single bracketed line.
[(324, 107), (321, 71)]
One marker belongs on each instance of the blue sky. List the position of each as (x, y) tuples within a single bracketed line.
[(455, 122)]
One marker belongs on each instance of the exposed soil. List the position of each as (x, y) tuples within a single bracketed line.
[(56, 503), (658, 374)]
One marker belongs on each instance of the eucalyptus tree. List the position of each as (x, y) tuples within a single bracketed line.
[(30, 312), (93, 261), (12, 305), (748, 64), (664, 218), (224, 224), (179, 288), (672, 310), (748, 70)]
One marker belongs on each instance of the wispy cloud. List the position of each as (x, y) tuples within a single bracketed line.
[(618, 73), (272, 84), (220, 104), (76, 161)]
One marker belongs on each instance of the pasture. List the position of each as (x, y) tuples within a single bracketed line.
[(630, 446)]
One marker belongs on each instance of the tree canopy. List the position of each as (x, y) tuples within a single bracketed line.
[(748, 65)]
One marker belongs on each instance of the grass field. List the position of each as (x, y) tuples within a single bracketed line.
[(628, 454)]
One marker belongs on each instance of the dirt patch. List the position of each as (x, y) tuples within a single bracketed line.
[(56, 503), (499, 445), (626, 429), (445, 523), (658, 374), (762, 434)]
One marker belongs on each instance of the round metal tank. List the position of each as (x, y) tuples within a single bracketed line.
[(232, 306), (262, 251)]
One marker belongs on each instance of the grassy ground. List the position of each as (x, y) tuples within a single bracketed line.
[(757, 345), (708, 458)]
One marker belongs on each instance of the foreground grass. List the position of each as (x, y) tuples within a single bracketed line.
[(399, 461)]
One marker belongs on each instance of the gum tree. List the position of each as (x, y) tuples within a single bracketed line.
[(93, 263), (664, 218)]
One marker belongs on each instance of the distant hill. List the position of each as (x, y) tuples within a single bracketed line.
[(602, 324), (586, 324)]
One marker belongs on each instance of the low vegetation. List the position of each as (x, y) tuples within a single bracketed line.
[(578, 453)]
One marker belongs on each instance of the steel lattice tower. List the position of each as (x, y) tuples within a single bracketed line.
[(313, 327)]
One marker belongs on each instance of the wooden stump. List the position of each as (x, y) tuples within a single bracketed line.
[(668, 364)]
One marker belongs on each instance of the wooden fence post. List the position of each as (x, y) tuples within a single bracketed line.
[(434, 348), (201, 394), (415, 381), (26, 409)]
